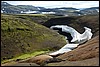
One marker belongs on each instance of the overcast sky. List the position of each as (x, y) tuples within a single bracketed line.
[(54, 4)]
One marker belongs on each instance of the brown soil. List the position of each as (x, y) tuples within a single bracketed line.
[(85, 51), (87, 62)]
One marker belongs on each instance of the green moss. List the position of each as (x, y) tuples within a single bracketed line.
[(24, 56)]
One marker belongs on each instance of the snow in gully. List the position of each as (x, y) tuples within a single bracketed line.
[(77, 38)]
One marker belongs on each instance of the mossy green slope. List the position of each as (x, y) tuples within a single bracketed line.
[(20, 36)]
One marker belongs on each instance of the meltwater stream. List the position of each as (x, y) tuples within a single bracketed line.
[(76, 40)]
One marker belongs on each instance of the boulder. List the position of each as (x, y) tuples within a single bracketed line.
[(41, 59)]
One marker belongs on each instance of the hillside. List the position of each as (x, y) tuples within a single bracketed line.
[(22, 36), (29, 33)]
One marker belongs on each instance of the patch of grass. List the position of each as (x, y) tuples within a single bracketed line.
[(25, 56), (32, 14)]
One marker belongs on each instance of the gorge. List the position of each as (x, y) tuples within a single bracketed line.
[(77, 38), (23, 33)]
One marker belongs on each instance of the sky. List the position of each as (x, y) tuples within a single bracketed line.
[(56, 4)]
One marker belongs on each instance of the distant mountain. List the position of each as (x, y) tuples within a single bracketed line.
[(5, 4), (16, 9), (65, 11), (92, 10)]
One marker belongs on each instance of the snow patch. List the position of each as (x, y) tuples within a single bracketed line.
[(77, 38)]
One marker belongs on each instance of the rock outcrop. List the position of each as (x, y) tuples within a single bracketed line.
[(41, 59)]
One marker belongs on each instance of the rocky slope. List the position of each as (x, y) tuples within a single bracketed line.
[(85, 55), (85, 51)]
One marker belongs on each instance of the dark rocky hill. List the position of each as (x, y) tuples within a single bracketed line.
[(78, 22)]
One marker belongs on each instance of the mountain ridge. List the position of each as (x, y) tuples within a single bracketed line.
[(65, 11)]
